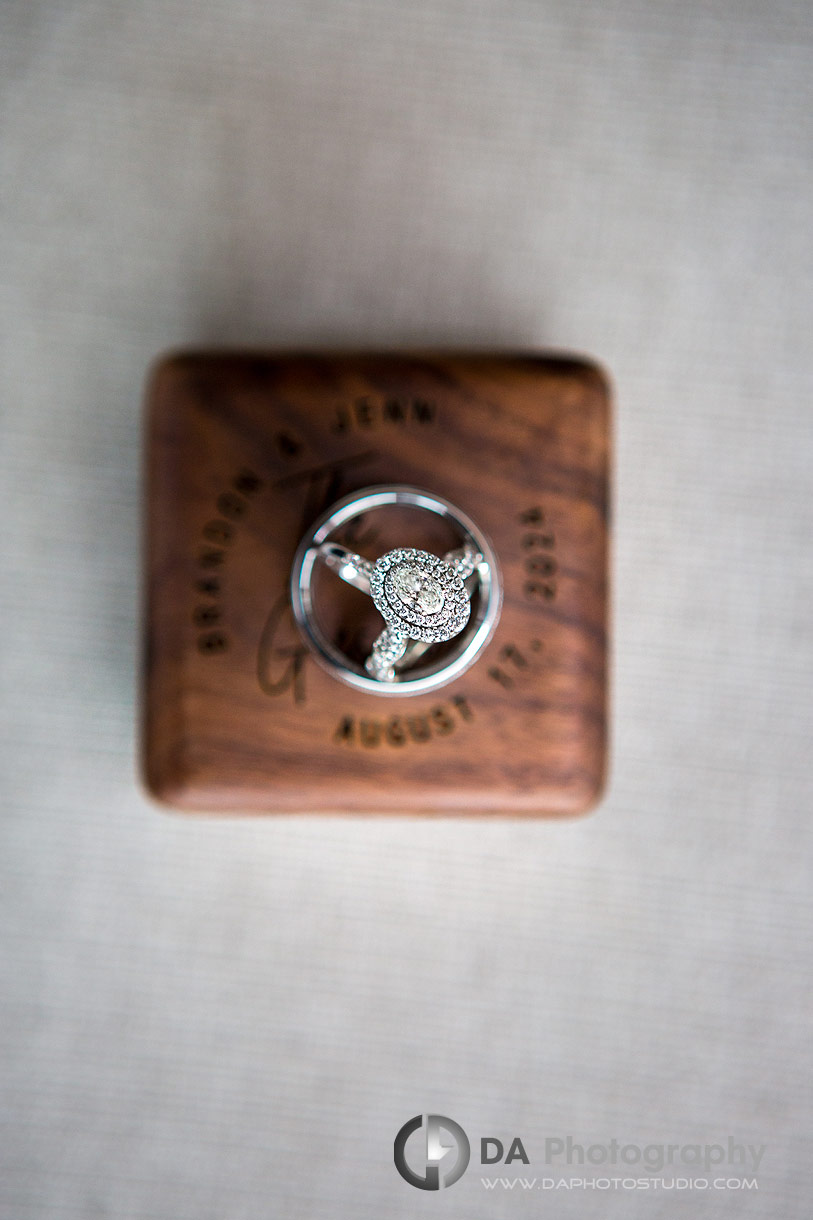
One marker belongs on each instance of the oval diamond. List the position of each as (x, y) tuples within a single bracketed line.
[(417, 589)]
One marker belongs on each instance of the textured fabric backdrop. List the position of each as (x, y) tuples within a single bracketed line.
[(229, 1020)]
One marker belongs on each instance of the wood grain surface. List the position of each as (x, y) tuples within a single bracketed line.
[(243, 451)]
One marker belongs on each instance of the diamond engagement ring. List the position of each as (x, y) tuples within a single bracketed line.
[(425, 600), (422, 598)]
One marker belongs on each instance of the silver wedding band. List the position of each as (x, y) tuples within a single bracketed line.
[(424, 599)]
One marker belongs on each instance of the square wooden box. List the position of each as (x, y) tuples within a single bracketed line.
[(243, 451)]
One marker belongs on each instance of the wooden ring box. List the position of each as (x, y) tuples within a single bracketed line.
[(243, 452)]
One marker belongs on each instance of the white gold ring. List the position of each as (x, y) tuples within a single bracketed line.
[(425, 600)]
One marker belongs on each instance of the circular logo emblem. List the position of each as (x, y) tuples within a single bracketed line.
[(427, 1157)]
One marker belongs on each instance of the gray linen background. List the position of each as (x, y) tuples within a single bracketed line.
[(230, 1019)]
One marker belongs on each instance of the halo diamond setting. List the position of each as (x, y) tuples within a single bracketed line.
[(419, 595)]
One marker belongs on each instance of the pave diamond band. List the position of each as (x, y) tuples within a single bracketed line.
[(387, 651), (352, 568), (424, 599)]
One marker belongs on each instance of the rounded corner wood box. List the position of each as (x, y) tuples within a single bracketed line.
[(243, 452)]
